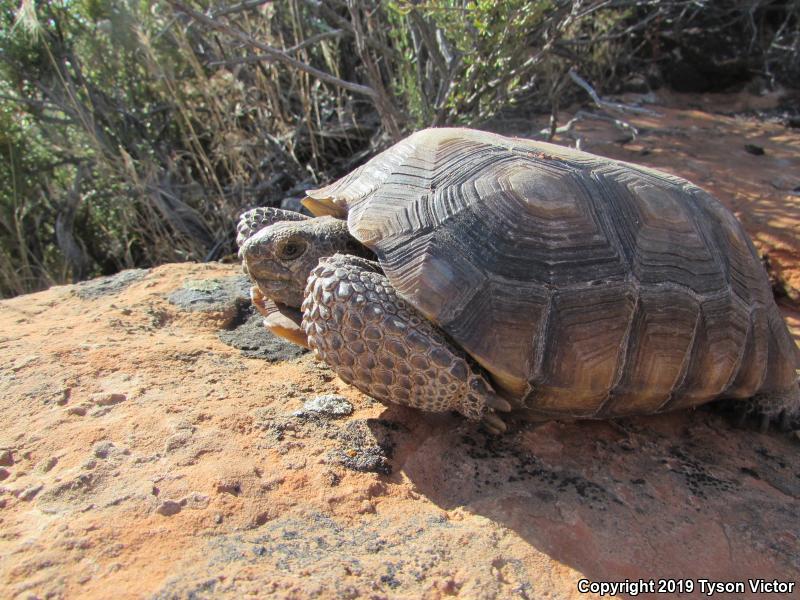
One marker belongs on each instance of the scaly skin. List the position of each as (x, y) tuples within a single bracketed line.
[(375, 341), (781, 408), (256, 219), (282, 277)]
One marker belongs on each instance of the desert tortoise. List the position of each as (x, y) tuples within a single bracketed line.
[(513, 274)]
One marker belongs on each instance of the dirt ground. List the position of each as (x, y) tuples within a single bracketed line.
[(155, 444)]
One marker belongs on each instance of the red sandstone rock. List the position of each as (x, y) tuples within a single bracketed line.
[(209, 479)]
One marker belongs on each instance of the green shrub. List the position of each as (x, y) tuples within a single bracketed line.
[(133, 134)]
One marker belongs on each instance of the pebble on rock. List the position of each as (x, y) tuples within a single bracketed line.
[(754, 149), (29, 493), (106, 399), (195, 500), (330, 405), (229, 486), (103, 449), (47, 464), (177, 440), (169, 508)]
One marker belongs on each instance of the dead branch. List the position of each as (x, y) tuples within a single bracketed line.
[(550, 131), (274, 52), (72, 249), (617, 106), (241, 7), (336, 33), (182, 217), (383, 102)]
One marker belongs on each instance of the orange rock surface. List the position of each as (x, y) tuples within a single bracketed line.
[(141, 456)]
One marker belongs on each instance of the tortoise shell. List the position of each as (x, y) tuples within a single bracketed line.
[(585, 286)]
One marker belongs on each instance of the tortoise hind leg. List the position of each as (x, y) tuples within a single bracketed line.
[(781, 408), (374, 340)]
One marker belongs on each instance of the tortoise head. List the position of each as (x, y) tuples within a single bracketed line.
[(280, 257)]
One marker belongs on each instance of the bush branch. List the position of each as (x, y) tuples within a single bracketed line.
[(272, 52)]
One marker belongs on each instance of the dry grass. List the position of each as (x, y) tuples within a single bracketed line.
[(135, 137)]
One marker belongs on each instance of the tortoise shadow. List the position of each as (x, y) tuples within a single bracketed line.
[(682, 495)]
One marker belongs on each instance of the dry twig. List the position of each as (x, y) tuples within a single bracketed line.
[(273, 52), (336, 33), (617, 106)]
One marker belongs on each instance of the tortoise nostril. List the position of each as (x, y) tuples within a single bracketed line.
[(256, 248), (254, 259)]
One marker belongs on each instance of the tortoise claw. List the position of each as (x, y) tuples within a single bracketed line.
[(494, 424), (741, 412), (785, 423), (498, 403), (764, 425)]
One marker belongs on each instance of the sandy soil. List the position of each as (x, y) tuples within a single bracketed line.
[(143, 456)]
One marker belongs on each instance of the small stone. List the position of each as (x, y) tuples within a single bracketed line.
[(4, 473), (29, 493), (183, 424), (369, 459), (76, 410), (114, 567), (108, 399), (449, 587), (113, 284), (47, 464), (103, 449), (195, 501), (24, 362), (169, 508), (65, 395), (84, 578), (177, 440), (754, 149), (273, 483), (6, 458), (329, 405), (229, 486), (218, 518), (225, 295)]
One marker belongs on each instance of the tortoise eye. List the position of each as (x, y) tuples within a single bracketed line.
[(292, 249)]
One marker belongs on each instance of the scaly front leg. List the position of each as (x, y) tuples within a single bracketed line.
[(375, 341), (283, 321)]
